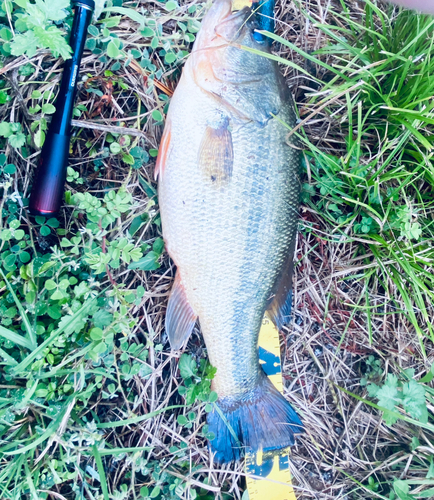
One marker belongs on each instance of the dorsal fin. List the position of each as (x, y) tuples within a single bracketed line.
[(180, 317), (163, 150), (281, 303), (216, 154)]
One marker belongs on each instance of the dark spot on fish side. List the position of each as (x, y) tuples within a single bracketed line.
[(213, 178)]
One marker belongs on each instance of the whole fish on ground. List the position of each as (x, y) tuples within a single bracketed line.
[(229, 196)]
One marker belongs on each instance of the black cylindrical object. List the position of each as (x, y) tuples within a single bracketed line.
[(49, 182)]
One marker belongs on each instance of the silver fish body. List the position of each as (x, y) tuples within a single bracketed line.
[(229, 195)]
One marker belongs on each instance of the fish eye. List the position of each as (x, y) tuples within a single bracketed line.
[(259, 37)]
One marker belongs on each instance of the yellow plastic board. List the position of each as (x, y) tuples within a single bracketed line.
[(269, 478)]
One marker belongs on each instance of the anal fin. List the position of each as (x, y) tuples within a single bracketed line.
[(280, 306), (180, 317)]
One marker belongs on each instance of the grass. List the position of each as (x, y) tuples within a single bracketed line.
[(93, 405)]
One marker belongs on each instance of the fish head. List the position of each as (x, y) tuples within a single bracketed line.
[(221, 26), (246, 81)]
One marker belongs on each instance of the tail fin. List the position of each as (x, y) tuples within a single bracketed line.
[(262, 419)]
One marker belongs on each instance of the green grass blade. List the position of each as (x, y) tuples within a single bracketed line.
[(131, 13), (30, 482), (306, 55), (15, 338), (29, 359), (49, 431), (135, 420), (9, 360), (101, 472), (30, 331)]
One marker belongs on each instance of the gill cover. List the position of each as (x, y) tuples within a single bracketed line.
[(228, 63)]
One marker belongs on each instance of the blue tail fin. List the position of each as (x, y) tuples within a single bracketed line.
[(261, 419)]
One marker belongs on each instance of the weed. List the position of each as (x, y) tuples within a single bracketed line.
[(32, 26)]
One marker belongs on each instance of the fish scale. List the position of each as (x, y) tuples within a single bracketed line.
[(229, 224)]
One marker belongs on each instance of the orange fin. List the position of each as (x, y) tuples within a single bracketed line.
[(163, 151), (180, 317), (216, 154), (280, 305)]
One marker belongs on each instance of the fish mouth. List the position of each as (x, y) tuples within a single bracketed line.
[(230, 27)]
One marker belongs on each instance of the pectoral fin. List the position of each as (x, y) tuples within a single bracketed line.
[(180, 317), (216, 154)]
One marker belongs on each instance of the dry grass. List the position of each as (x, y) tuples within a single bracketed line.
[(325, 347)]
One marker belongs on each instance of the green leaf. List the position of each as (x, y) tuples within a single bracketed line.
[(388, 395), (25, 44), (24, 257), (171, 5), (52, 38), (5, 129), (147, 263), (115, 148), (157, 116), (6, 34), (19, 234), (128, 159), (428, 377), (102, 318), (155, 492), (93, 30), (96, 334), (373, 390), (48, 108), (213, 396), (111, 22), (414, 401), (45, 230), (64, 284), (17, 140), (57, 295), (113, 50), (182, 420), (158, 246), (402, 490), (39, 138), (187, 366), (170, 58), (55, 10), (53, 222), (6, 235), (10, 169), (147, 32)]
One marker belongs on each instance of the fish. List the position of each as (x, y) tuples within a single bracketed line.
[(228, 193)]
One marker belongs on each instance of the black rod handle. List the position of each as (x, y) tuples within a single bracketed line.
[(48, 185)]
